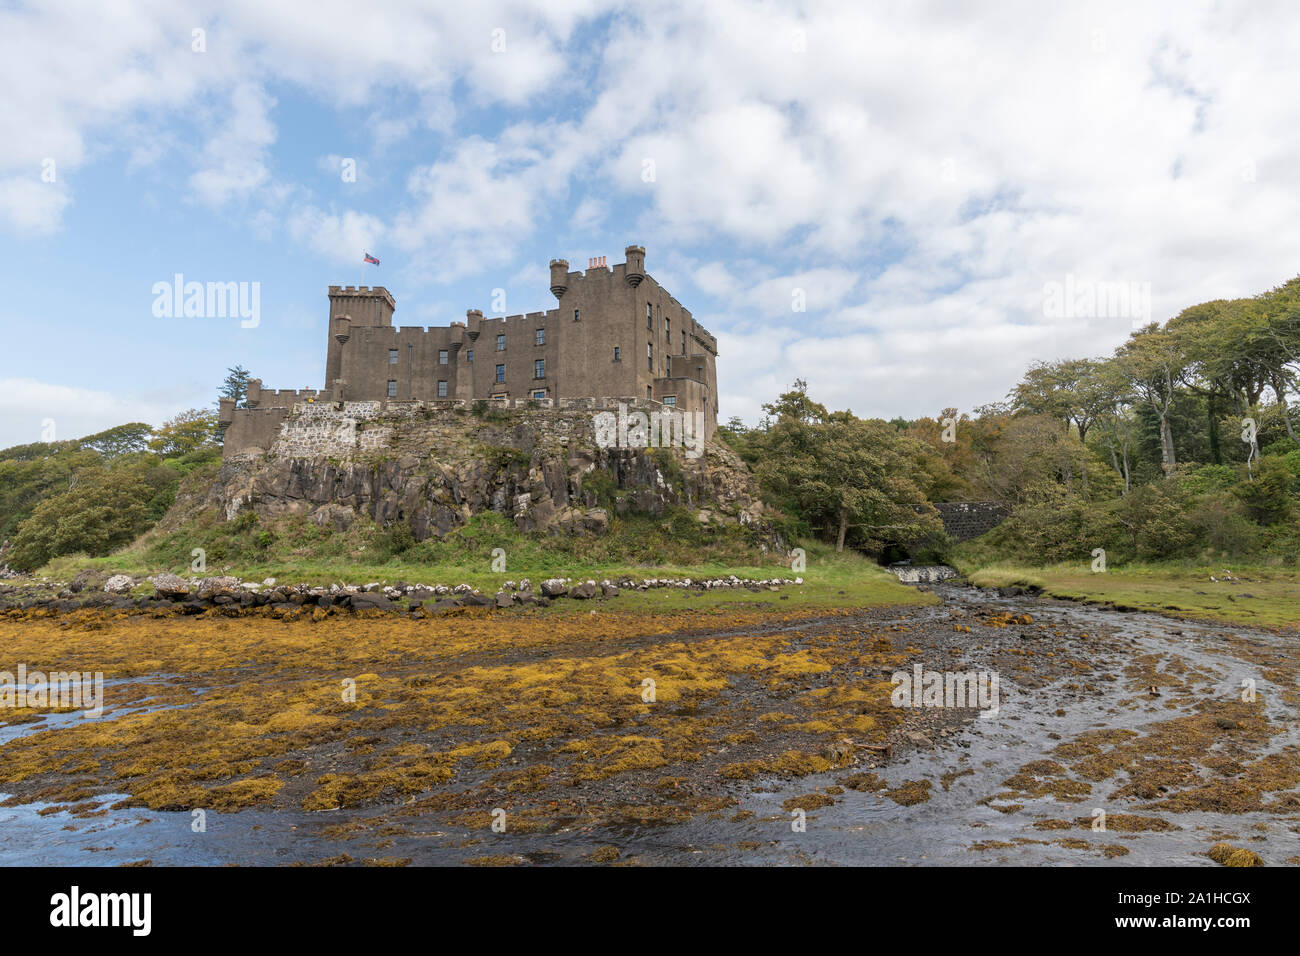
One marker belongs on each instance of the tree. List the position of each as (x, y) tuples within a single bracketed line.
[(1281, 308), (189, 431), (1153, 361), (1068, 389), (1115, 423), (236, 386), (122, 440), (840, 472), (1027, 452), (102, 511), (1227, 356)]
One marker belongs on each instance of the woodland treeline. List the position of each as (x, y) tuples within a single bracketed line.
[(1180, 444)]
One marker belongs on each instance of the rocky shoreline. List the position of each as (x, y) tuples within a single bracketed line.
[(231, 596)]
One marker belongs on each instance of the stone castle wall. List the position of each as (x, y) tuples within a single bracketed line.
[(341, 430)]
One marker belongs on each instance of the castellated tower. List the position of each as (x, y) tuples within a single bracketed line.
[(559, 277), (634, 269), (353, 306), (615, 333)]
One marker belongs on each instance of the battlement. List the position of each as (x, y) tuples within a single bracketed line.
[(259, 397), (288, 395), (363, 291)]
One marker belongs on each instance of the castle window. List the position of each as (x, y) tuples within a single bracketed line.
[(392, 388), (541, 336), (683, 341), (649, 316), (501, 374), (469, 356), (670, 401), (618, 354), (668, 332), (442, 389), (576, 314), (650, 356), (442, 356), (539, 368), (392, 356), (540, 394), (501, 343)]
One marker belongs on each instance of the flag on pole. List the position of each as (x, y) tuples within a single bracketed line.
[(371, 259)]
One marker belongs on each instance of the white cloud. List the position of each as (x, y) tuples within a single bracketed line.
[(339, 237), (28, 205), (920, 172), (234, 158), (30, 409)]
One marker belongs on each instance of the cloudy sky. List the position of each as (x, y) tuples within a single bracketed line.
[(920, 177)]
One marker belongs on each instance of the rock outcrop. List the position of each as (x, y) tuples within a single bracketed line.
[(434, 468)]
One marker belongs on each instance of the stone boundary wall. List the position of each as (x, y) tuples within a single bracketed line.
[(963, 520)]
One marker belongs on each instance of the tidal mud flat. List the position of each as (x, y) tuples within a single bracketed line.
[(736, 736)]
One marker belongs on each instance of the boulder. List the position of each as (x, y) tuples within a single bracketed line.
[(596, 521), (504, 599), (554, 587), (211, 587), (584, 591), (119, 584), (370, 601), (87, 579), (171, 586)]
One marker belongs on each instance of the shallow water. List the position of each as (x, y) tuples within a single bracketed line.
[(859, 829)]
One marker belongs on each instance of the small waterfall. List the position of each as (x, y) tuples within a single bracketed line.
[(923, 573)]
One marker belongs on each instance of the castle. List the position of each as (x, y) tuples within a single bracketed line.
[(616, 334)]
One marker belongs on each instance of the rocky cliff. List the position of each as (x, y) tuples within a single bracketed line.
[(434, 466)]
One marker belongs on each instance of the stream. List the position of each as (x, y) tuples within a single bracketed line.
[(958, 825)]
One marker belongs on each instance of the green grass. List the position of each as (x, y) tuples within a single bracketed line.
[(1260, 597), (830, 580)]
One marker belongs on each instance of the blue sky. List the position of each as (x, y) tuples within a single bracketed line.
[(916, 174)]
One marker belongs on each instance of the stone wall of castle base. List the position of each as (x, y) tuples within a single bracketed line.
[(343, 429)]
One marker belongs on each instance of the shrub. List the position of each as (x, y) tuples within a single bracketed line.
[(1155, 522), (1268, 497), (1220, 524)]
